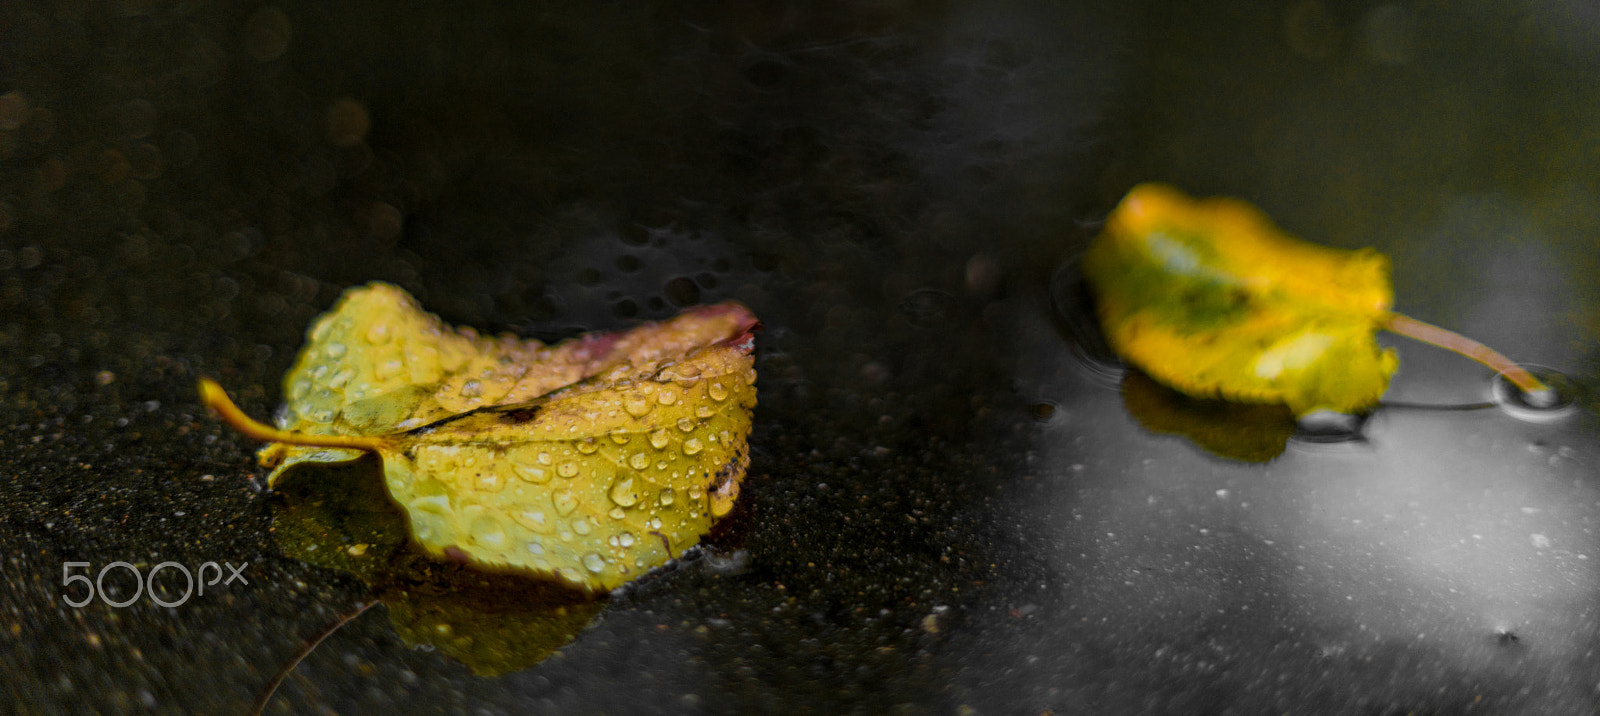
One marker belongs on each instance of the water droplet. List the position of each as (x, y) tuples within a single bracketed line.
[(658, 439), (661, 465), (434, 504), (703, 411), (427, 462), (667, 495), (619, 437), (567, 469), (594, 562), (543, 458), (622, 492), (488, 531), (655, 523), (625, 539), (491, 481), (717, 392), (533, 520), (722, 498), (570, 575), (471, 389), (667, 396), (388, 369), (340, 378), (536, 547), (378, 333), (322, 405), (692, 446), (587, 446), (581, 526), (618, 513), (637, 405), (535, 475), (564, 502), (685, 424), (335, 350), (639, 461)]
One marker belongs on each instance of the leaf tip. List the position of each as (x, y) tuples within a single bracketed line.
[(211, 393)]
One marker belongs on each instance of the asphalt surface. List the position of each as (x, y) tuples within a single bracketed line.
[(948, 508)]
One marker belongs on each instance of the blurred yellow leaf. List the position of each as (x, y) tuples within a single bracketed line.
[(592, 460), (1211, 298)]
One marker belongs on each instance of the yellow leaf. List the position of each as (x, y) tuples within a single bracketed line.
[(592, 460), (1211, 298)]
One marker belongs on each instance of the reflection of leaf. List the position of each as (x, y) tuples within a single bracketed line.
[(340, 517), (334, 518), (1211, 298), (592, 460), (1251, 432), (494, 627)]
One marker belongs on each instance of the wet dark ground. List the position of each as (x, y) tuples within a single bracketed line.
[(947, 510)]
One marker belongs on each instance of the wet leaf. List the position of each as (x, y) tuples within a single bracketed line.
[(591, 460), (1211, 298)]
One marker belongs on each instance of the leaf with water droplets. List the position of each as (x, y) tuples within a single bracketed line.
[(514, 454)]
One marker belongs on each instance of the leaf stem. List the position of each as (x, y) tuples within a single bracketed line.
[(217, 399), (1536, 392)]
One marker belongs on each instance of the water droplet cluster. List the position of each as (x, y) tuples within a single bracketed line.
[(612, 483), (378, 354), (593, 460)]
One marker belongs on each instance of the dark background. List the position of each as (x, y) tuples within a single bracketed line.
[(889, 186)]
